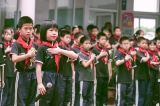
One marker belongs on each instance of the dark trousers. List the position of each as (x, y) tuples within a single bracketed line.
[(54, 95), (67, 81), (86, 93), (153, 87), (8, 92), (125, 92), (142, 93), (77, 89), (27, 88), (102, 91)]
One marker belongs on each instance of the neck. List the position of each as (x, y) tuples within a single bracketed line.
[(100, 45), (25, 39)]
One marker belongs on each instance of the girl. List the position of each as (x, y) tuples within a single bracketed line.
[(75, 29)]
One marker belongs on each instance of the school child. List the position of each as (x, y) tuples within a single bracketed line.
[(76, 49), (75, 29), (124, 67), (80, 29), (154, 68), (92, 36), (87, 73), (142, 74), (66, 67), (48, 62), (9, 79), (23, 53), (103, 70), (37, 34)]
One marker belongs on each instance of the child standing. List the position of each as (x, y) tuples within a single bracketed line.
[(23, 53), (124, 67), (87, 73), (48, 61)]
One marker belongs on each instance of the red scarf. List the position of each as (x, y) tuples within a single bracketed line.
[(143, 51), (104, 59), (116, 37), (128, 63), (62, 44), (72, 37), (76, 46), (92, 37), (55, 55), (8, 44), (154, 57), (37, 41), (26, 46)]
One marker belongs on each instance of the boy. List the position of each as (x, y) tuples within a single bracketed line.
[(142, 74), (124, 67), (103, 70), (23, 53), (92, 36), (87, 73), (37, 34), (8, 92)]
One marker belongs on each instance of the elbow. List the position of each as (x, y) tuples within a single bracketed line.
[(14, 59)]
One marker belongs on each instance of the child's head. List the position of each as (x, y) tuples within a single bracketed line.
[(158, 31), (65, 37), (117, 31), (37, 31), (80, 28), (7, 33), (139, 33), (25, 27), (94, 30), (48, 30), (152, 45), (89, 27), (67, 27), (75, 29), (131, 41), (124, 43), (142, 42), (157, 39), (108, 25), (107, 31), (77, 37), (85, 43), (101, 38)]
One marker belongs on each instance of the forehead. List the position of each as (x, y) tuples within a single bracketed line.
[(87, 41), (143, 41), (67, 35), (27, 25), (103, 37), (124, 41), (52, 28)]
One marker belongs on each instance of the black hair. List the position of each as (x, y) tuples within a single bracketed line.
[(138, 32), (37, 26), (74, 27), (45, 26), (116, 28), (106, 28), (63, 33), (78, 34), (94, 27), (107, 23), (151, 42), (80, 27), (89, 27), (157, 38), (140, 39), (6, 28), (157, 30), (123, 38), (100, 34), (131, 38), (67, 26), (83, 39), (24, 20)]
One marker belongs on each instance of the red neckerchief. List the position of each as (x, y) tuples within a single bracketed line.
[(18, 33), (102, 50), (76, 46), (62, 44), (55, 55), (37, 41), (142, 50), (128, 63), (116, 37), (8, 44), (26, 46), (72, 37), (89, 56), (154, 57), (92, 37)]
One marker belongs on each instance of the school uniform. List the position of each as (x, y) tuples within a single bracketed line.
[(142, 79), (50, 70), (102, 77), (66, 71), (124, 80), (9, 79), (86, 78), (92, 38), (114, 39), (26, 84), (76, 49), (153, 78)]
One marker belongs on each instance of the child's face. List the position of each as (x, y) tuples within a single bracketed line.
[(107, 33), (66, 39), (86, 45), (75, 31), (152, 46), (102, 40), (141, 34), (52, 34), (94, 32), (8, 35), (26, 30), (158, 44), (118, 32), (143, 44), (78, 39), (125, 45), (131, 43)]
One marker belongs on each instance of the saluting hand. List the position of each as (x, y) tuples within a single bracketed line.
[(56, 50)]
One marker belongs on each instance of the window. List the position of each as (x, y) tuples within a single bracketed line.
[(146, 5)]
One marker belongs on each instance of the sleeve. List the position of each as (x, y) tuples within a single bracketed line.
[(81, 58), (139, 56), (40, 55), (117, 56), (14, 49)]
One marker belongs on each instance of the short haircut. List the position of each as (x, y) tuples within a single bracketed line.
[(123, 38), (116, 28), (138, 32), (37, 26), (108, 23), (89, 27), (80, 27), (74, 27), (100, 34), (7, 28), (151, 42), (47, 24), (83, 39), (157, 30), (67, 26), (157, 38), (64, 32), (78, 34), (106, 28), (94, 27), (140, 39), (24, 20)]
